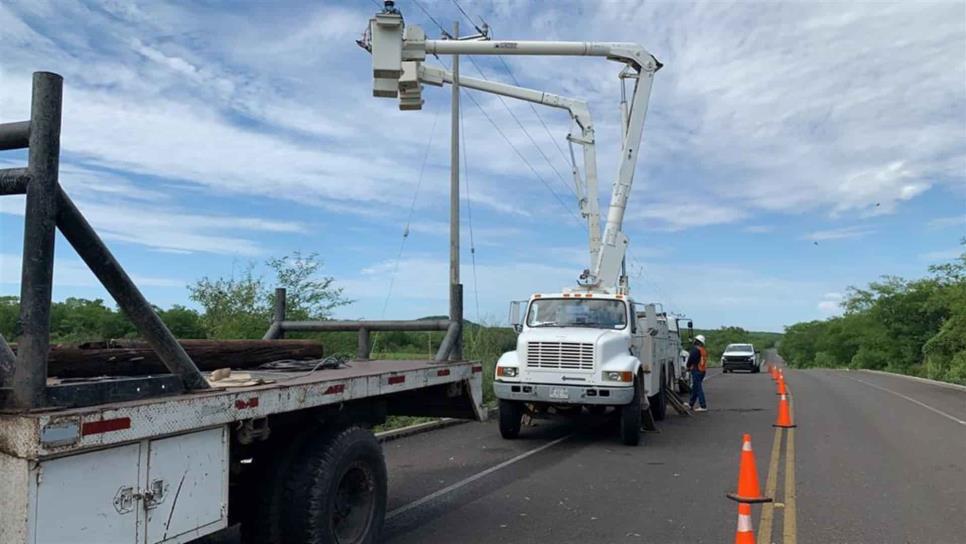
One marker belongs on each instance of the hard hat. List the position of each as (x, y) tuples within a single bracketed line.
[(699, 338)]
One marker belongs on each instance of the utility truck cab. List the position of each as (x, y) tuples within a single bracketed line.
[(586, 348)]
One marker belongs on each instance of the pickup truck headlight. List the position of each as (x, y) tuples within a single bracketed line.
[(507, 371), (612, 376)]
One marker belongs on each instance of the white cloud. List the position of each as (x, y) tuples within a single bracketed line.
[(74, 273), (947, 222), (941, 255), (123, 211), (758, 229), (844, 233), (831, 304)]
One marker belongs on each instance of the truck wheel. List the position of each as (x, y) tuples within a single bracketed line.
[(336, 490), (258, 502), (658, 402), (511, 415), (631, 419)]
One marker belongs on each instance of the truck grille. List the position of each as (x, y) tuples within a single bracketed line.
[(739, 358), (560, 355)]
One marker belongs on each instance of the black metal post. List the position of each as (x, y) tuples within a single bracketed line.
[(362, 352), (13, 181), (30, 373), (279, 310), (275, 330), (16, 135), (321, 326), (456, 315), (448, 345), (102, 263)]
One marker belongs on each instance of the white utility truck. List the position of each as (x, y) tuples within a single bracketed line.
[(591, 344)]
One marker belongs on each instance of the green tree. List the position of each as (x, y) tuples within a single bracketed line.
[(183, 322), (910, 326), (241, 307)]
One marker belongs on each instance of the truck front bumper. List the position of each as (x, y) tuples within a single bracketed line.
[(563, 394)]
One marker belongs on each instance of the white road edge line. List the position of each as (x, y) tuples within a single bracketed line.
[(432, 496), (937, 383), (912, 400)]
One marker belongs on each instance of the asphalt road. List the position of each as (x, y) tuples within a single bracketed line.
[(874, 459)]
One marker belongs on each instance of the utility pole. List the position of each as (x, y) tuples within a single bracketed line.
[(455, 287)]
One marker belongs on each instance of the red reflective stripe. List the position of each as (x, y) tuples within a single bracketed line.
[(443, 372), (396, 379), (335, 389), (477, 369), (251, 403), (105, 426)]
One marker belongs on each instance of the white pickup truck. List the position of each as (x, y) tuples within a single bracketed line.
[(587, 349), (740, 357)]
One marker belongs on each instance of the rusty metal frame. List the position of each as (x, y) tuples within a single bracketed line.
[(23, 383)]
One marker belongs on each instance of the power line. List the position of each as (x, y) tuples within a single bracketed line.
[(468, 18), (469, 215), (412, 209), (431, 18), (525, 131), (522, 156), (533, 109)]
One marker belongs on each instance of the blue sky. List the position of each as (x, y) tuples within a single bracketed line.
[(200, 136)]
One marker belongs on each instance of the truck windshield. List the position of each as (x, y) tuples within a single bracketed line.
[(571, 312), (739, 347)]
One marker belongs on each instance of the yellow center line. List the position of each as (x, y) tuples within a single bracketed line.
[(790, 522), (771, 484)]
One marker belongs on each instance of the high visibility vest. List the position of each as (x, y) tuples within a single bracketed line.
[(703, 363)]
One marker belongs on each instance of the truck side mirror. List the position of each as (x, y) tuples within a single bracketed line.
[(515, 315)]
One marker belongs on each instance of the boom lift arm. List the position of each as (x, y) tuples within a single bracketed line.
[(586, 188), (391, 43)]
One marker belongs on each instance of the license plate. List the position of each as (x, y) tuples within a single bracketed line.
[(559, 393)]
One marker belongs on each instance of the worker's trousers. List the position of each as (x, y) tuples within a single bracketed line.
[(697, 389)]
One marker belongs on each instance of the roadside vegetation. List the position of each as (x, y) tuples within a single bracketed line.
[(718, 339), (915, 327)]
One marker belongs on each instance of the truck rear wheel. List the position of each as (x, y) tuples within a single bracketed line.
[(631, 419), (336, 490), (511, 416), (658, 402)]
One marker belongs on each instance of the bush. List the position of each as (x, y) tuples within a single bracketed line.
[(912, 327)]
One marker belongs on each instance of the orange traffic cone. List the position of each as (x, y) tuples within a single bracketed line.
[(780, 386), (784, 414), (774, 373), (748, 489), (745, 533)]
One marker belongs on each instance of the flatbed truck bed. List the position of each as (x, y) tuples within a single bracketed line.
[(175, 468)]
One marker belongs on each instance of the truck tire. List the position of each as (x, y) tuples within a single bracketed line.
[(336, 490), (511, 415), (658, 402), (258, 501), (631, 419)]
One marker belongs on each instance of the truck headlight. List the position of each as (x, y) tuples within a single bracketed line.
[(507, 371), (612, 376)]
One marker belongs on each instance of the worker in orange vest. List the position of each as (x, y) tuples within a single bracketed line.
[(698, 364)]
